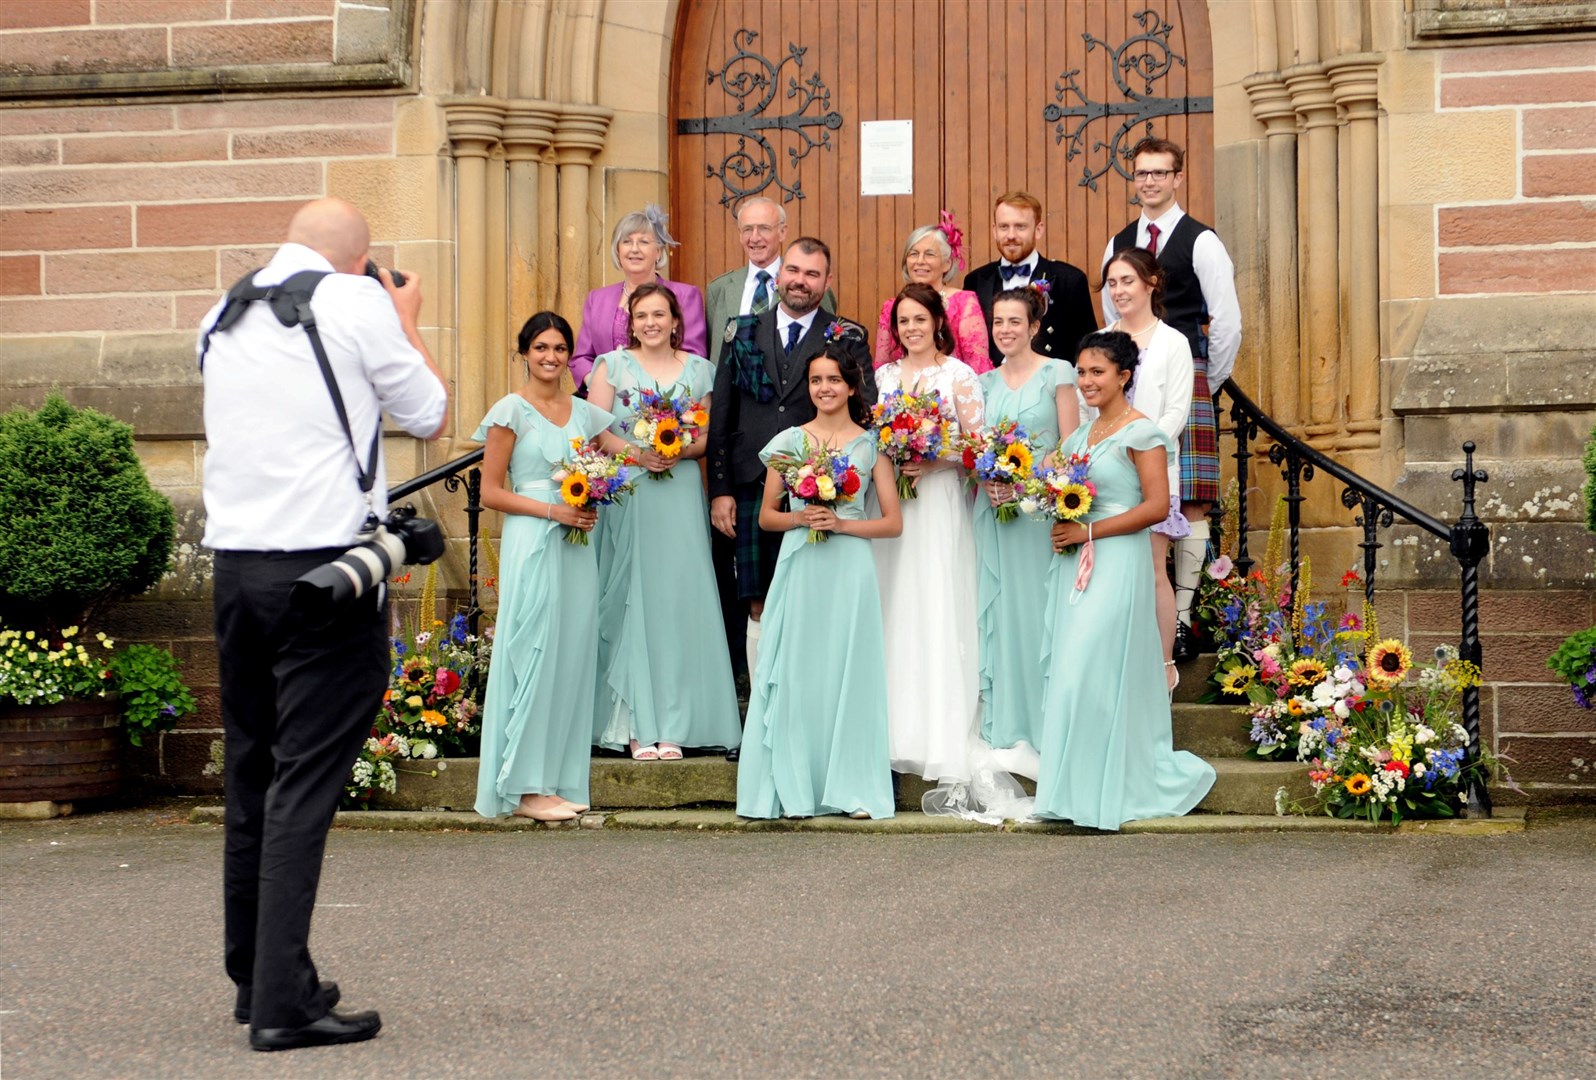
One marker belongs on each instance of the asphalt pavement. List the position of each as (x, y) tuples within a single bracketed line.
[(607, 953)]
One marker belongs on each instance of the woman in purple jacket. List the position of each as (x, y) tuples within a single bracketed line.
[(638, 250)]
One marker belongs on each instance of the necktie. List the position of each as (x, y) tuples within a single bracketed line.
[(793, 330), (1011, 272), (1152, 239), (761, 302)]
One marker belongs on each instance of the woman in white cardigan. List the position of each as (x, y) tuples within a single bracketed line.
[(1162, 391)]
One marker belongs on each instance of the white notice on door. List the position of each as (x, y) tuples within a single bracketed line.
[(886, 157)]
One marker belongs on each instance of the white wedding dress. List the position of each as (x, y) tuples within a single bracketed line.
[(928, 601)]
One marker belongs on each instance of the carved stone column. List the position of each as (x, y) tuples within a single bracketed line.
[(528, 133), (578, 136), (475, 126), (1280, 392), (1355, 83), (1318, 248)]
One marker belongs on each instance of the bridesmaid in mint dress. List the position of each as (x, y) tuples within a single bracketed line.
[(816, 740), (1014, 557), (1107, 748), (537, 720), (664, 677)]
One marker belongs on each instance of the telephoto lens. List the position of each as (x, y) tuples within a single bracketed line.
[(403, 538), (371, 272)]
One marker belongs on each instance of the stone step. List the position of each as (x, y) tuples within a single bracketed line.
[(1242, 787), (1194, 675)]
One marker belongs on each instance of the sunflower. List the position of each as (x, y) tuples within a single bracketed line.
[(1017, 458), (1236, 680), (574, 490), (1389, 661), (1307, 672), (1296, 706), (1074, 500), (668, 437), (1357, 784)]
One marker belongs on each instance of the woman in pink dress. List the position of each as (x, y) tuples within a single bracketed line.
[(932, 256)]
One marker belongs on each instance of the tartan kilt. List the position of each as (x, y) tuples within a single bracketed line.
[(1199, 443), (755, 549)]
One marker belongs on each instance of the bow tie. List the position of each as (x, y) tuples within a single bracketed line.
[(1011, 272)]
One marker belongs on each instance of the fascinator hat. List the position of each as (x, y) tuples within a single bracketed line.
[(652, 220)]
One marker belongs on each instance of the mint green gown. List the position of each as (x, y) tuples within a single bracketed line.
[(1107, 748), (816, 740), (1013, 561), (663, 671), (537, 719)]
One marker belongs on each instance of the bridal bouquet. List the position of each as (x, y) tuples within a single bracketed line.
[(1001, 455), (592, 478), (819, 475), (668, 425), (910, 427)]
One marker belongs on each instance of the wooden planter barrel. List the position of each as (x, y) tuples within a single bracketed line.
[(62, 752)]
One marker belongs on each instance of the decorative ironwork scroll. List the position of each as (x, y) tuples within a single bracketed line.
[(1147, 57), (752, 81)]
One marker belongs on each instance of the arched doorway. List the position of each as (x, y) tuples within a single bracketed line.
[(768, 97)]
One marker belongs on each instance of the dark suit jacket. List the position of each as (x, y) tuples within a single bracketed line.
[(1070, 314), (740, 425)]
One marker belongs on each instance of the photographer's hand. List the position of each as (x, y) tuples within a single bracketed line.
[(407, 302)]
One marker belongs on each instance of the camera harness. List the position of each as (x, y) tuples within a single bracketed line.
[(290, 302)]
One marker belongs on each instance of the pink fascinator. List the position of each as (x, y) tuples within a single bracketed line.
[(950, 229)]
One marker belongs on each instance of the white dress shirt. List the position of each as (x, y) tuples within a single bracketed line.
[(751, 285), (279, 472), (1217, 276), (784, 320)]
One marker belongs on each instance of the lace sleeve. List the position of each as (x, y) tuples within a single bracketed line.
[(968, 401), (969, 334)]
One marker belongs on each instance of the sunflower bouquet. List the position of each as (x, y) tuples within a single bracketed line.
[(668, 425), (592, 478), (434, 691), (1060, 492), (818, 474), (910, 427), (1001, 454)]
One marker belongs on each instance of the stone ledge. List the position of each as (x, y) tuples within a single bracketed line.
[(1506, 821)]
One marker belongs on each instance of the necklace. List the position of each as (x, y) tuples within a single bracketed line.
[(1092, 441), (1149, 328)]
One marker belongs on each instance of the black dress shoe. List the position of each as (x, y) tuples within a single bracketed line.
[(329, 993), (733, 754), (330, 1030), (1185, 644)]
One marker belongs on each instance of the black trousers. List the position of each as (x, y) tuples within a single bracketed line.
[(297, 705)]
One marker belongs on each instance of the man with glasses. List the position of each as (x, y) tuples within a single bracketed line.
[(748, 290), (1199, 301)]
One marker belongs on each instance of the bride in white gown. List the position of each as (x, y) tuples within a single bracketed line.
[(928, 588)]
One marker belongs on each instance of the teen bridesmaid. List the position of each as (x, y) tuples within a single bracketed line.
[(1014, 557), (663, 682), (816, 739), (1108, 753), (537, 719)]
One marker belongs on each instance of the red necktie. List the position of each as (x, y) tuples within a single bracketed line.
[(1152, 239)]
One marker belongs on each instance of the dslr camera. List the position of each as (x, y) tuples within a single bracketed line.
[(371, 272), (400, 539)]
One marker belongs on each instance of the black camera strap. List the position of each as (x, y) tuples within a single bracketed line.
[(290, 302)]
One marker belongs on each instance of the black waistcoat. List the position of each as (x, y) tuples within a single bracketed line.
[(1184, 308)]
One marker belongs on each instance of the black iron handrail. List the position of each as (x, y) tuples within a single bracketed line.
[(1469, 539), (449, 475)]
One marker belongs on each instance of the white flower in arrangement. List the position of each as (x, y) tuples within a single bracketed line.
[(422, 748), (640, 430), (1342, 710), (1419, 768), (1028, 506), (1445, 654), (423, 637), (1343, 674), (386, 778), (372, 747), (401, 744), (1460, 734), (1423, 734), (1280, 802)]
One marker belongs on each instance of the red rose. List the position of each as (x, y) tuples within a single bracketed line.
[(445, 682), (969, 458), (850, 481)]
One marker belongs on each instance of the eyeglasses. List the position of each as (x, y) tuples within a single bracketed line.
[(762, 230), (1152, 174)]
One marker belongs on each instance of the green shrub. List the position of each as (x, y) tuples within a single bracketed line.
[(1590, 482), (81, 525), (154, 695)]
